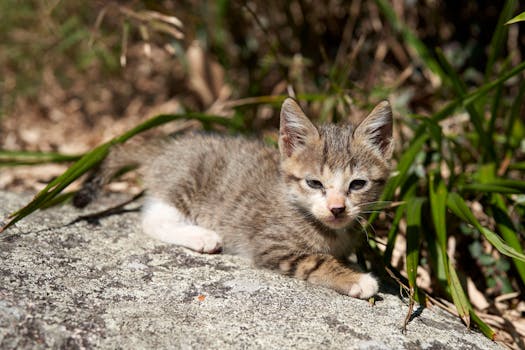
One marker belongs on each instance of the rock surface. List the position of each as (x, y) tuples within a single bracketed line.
[(107, 286)]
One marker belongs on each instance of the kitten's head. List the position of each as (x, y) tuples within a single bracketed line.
[(335, 171)]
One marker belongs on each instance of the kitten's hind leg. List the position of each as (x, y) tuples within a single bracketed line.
[(163, 221)]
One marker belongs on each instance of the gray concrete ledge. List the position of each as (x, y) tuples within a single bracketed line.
[(108, 286)]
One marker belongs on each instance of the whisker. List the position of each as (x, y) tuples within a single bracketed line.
[(379, 205), (377, 202), (364, 226)]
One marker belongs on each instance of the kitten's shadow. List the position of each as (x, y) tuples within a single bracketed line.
[(92, 218)]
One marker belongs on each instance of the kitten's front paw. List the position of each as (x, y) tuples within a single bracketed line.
[(365, 288), (207, 241)]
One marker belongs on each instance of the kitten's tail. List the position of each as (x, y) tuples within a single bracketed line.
[(120, 159)]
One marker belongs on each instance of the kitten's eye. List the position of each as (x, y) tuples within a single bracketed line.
[(356, 185), (314, 184)]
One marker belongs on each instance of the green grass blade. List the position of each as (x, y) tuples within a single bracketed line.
[(14, 158), (508, 232), (517, 184), (458, 294), (476, 94), (88, 161), (515, 113), (498, 38), (421, 135), (517, 166), (402, 169), (275, 99), (406, 161), (95, 156), (438, 203), (437, 259), (483, 327), (446, 111), (486, 88), (501, 245), (434, 130), (460, 209), (496, 102), (413, 215), (518, 18), (491, 187), (166, 118), (59, 199), (438, 206)]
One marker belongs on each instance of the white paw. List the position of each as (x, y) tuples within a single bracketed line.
[(163, 221), (205, 241), (365, 288)]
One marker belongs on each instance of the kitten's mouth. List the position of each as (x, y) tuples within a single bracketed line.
[(337, 221)]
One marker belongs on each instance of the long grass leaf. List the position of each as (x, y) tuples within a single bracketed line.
[(88, 161), (483, 327), (508, 232), (474, 95), (460, 209), (94, 157), (166, 118), (402, 169), (59, 199), (496, 103), (518, 18), (438, 206), (406, 161), (421, 135), (414, 225), (498, 38), (438, 199), (517, 184), (458, 295), (515, 113), (490, 187), (13, 158), (437, 259), (487, 87), (517, 166)]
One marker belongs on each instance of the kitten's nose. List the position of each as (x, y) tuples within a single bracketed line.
[(337, 210)]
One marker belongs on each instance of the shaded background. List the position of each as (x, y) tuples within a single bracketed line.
[(73, 74)]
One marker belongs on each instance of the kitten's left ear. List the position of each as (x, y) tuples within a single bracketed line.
[(376, 129)]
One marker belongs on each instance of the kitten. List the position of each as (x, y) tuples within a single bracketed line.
[(289, 210)]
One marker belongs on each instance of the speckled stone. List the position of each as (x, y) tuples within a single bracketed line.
[(105, 285)]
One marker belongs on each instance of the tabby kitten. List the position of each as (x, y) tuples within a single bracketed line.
[(289, 210)]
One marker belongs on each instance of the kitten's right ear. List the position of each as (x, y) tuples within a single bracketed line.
[(376, 129), (295, 128)]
